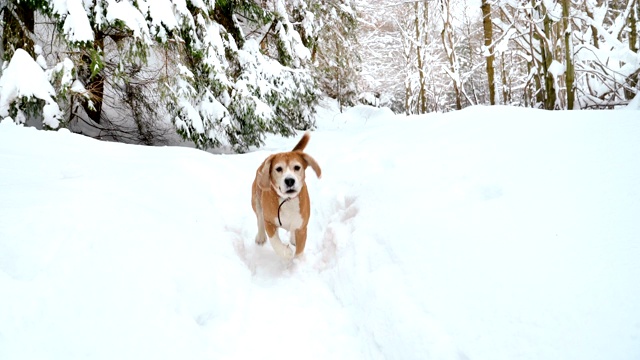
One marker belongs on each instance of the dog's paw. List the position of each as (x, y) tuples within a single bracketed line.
[(288, 252), (261, 238)]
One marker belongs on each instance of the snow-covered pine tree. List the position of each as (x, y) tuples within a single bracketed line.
[(242, 72), (227, 70), (335, 49)]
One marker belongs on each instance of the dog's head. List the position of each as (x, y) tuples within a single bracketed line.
[(285, 172)]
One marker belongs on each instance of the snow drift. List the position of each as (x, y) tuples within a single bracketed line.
[(488, 233)]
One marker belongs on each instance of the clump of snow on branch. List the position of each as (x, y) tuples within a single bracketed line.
[(76, 25), (24, 81), (65, 69), (556, 69), (132, 18)]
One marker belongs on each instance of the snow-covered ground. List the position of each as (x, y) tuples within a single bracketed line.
[(486, 234)]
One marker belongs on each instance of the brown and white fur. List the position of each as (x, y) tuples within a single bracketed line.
[(279, 198)]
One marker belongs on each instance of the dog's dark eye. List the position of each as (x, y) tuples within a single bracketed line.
[(296, 168), (279, 169)]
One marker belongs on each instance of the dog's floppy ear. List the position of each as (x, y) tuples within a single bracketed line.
[(312, 162), (264, 174)]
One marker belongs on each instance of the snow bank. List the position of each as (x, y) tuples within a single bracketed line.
[(488, 233)]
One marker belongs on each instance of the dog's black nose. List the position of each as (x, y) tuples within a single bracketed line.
[(289, 182)]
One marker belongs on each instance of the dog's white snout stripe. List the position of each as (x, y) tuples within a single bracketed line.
[(289, 179)]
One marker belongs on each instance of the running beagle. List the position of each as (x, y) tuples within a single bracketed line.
[(279, 198)]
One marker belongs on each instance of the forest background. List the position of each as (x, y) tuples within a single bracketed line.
[(224, 73)]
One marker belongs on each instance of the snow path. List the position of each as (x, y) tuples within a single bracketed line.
[(490, 233)]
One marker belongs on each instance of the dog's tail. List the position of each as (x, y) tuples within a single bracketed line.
[(303, 142)]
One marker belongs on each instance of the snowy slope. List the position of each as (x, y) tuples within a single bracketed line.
[(489, 233)]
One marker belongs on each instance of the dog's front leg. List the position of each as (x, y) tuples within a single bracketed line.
[(281, 249), (299, 238), (261, 236)]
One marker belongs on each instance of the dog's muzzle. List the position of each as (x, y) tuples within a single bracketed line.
[(289, 182), (290, 187)]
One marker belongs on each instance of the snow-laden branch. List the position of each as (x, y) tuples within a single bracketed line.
[(24, 82)]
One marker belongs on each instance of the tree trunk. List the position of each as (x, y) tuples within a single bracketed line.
[(422, 100), (547, 59), (633, 46), (633, 33), (407, 97), (568, 48), (506, 97), (537, 57), (94, 82), (594, 30), (527, 89), (488, 40), (447, 41)]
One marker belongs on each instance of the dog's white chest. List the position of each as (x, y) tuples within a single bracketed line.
[(289, 215)]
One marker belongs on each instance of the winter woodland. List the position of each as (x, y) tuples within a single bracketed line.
[(224, 73)]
